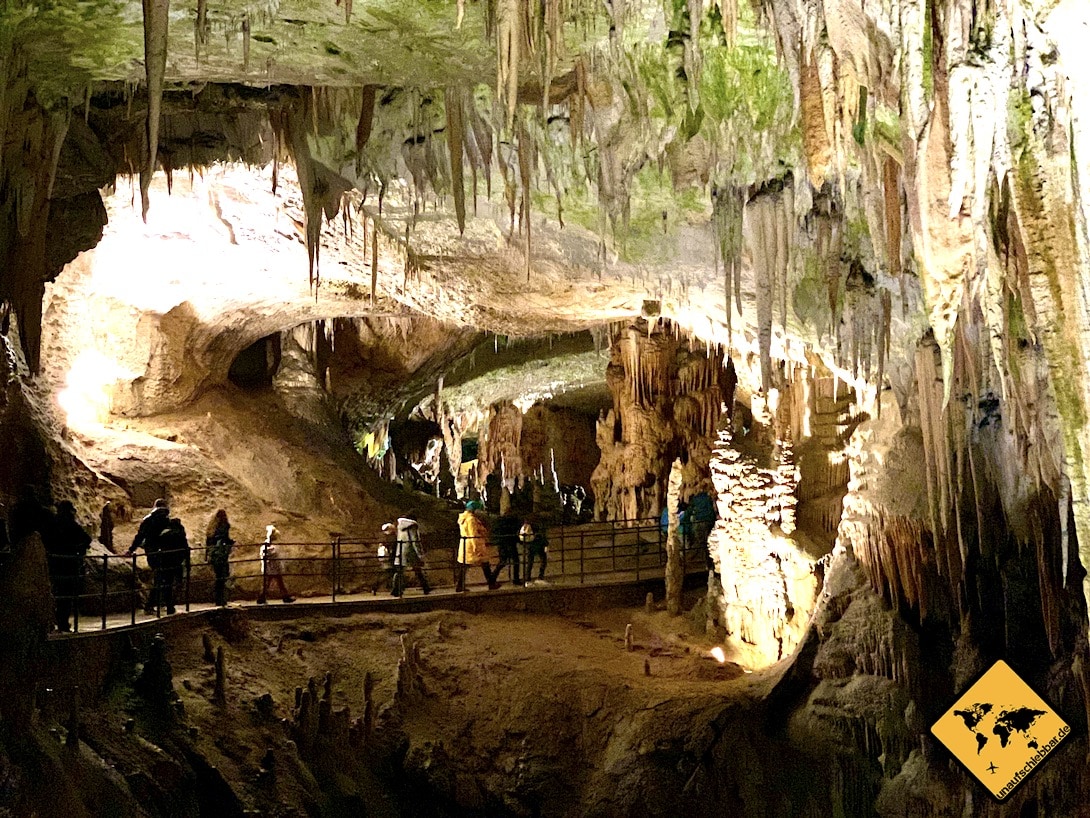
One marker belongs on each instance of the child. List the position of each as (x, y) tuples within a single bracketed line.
[(272, 567)]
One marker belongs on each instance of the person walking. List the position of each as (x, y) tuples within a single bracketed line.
[(385, 553), (66, 544), (147, 537), (272, 567), (474, 546), (505, 534), (702, 519), (218, 544), (410, 553), (174, 557), (534, 542)]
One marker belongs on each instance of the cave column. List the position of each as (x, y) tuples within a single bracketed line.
[(763, 586), (675, 559)]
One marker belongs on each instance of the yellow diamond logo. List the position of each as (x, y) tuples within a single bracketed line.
[(1000, 730)]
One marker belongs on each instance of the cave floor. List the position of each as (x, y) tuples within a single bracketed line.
[(509, 695)]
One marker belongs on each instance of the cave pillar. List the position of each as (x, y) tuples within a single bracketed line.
[(675, 562), (763, 586)]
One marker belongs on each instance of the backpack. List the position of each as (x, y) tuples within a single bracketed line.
[(220, 551), (172, 542)]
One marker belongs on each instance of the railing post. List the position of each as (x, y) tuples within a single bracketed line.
[(613, 544), (336, 567), (639, 546), (580, 557), (188, 574), (105, 567), (77, 568), (662, 543), (132, 588)]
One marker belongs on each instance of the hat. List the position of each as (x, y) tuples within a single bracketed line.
[(474, 505), (161, 503)]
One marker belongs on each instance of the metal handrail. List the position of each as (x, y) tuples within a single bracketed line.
[(350, 565)]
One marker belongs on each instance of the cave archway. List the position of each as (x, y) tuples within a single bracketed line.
[(255, 366)]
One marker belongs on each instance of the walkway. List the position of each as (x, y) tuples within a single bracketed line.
[(344, 572)]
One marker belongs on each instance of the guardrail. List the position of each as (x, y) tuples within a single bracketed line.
[(98, 587)]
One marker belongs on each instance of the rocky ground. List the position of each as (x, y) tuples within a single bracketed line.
[(500, 713)]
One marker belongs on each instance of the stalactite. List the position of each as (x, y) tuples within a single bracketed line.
[(374, 259), (692, 52), (322, 192), (764, 265), (455, 140), (891, 186), (509, 38), (577, 103), (728, 12), (201, 29), (156, 19), (728, 211), (552, 32), (366, 119), (245, 42), (883, 342), (525, 161)]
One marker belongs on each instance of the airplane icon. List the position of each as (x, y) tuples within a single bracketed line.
[(992, 768)]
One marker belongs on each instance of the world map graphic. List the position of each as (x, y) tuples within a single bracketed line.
[(985, 721)]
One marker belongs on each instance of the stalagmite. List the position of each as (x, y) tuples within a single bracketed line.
[(219, 693), (368, 705), (628, 637), (675, 569), (72, 738), (208, 655)]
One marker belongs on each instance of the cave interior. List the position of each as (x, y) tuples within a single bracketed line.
[(325, 264)]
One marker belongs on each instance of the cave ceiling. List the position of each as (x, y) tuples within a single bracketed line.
[(581, 232), (801, 184)]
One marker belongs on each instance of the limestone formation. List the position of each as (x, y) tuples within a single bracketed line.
[(667, 397), (839, 251)]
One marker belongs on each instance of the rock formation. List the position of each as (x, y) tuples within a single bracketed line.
[(667, 398), (839, 251)]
